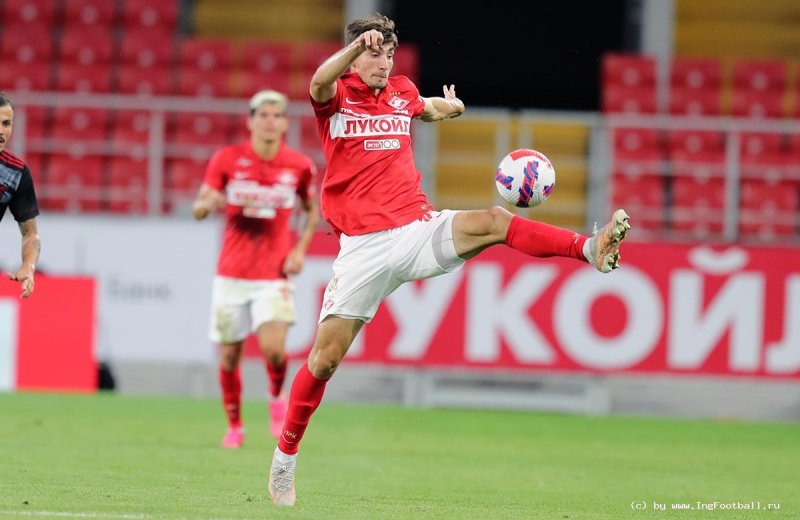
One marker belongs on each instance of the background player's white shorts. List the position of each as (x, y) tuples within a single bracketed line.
[(239, 306), (370, 267)]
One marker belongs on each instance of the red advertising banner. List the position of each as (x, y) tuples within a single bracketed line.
[(670, 309), (47, 341)]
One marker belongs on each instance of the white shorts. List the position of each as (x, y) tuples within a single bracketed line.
[(239, 306), (370, 267)]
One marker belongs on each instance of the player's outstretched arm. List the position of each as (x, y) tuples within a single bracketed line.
[(323, 82), (447, 107), (31, 246), (208, 200)]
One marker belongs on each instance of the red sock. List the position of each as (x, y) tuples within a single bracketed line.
[(276, 373), (304, 397), (543, 240), (231, 383)]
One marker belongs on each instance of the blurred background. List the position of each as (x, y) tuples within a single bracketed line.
[(686, 113)]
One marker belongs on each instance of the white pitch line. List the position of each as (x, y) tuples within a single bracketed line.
[(72, 515)]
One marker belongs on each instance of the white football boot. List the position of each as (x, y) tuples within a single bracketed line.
[(602, 250), (281, 480)]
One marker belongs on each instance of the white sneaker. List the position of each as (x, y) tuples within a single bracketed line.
[(281, 481), (602, 250)]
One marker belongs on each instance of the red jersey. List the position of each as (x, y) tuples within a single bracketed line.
[(371, 183), (260, 198)]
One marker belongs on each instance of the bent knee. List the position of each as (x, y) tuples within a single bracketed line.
[(323, 362), (500, 219)]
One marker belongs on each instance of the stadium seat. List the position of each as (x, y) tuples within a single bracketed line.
[(755, 144), (309, 135), (36, 162), (94, 14), (691, 142), (83, 78), (632, 140), (701, 165), (73, 183), (86, 47), (25, 12), (768, 209), (19, 47), (696, 74), (642, 195), (147, 47), (794, 145), (199, 83), (131, 127), (267, 57), (770, 167), (37, 121), (628, 70), (760, 75), (127, 185), (698, 206), (406, 62), (253, 81), (695, 102), (314, 53), (182, 181), (24, 76), (757, 104), (634, 100), (147, 81), (149, 14), (76, 124), (205, 55), (195, 128)]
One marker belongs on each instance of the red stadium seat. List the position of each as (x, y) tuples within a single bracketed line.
[(149, 81), (24, 76), (194, 128), (758, 104), (691, 102), (698, 206), (182, 182), (701, 166), (698, 74), (754, 144), (18, 46), (633, 140), (193, 82), (37, 121), (89, 13), (26, 12), (267, 58), (205, 55), (147, 47), (637, 100), (314, 53), (642, 195), (768, 209), (770, 167), (84, 47), (131, 127), (239, 132), (691, 142), (80, 124), (406, 62), (83, 78), (628, 70), (73, 184), (253, 81), (309, 136), (794, 144), (35, 162), (760, 75), (150, 13), (127, 185)]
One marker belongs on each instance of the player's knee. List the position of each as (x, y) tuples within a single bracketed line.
[(500, 219), (323, 362), (228, 359)]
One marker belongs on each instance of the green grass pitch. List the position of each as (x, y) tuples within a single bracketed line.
[(109, 456)]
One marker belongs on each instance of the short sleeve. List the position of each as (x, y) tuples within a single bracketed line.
[(327, 109), (24, 205), (216, 175)]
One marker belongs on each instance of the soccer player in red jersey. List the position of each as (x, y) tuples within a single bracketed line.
[(18, 195), (388, 233), (257, 183)]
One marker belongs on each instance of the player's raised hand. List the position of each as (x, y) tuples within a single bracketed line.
[(371, 40), (450, 97)]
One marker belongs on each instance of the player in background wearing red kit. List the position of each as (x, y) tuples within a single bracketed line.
[(388, 233), (257, 183)]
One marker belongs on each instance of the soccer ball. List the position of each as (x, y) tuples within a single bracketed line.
[(525, 178)]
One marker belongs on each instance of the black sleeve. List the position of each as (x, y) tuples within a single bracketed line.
[(24, 205)]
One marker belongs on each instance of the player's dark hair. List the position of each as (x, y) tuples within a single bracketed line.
[(5, 100), (378, 22)]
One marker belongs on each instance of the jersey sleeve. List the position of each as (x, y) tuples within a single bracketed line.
[(306, 188), (216, 173), (417, 105), (327, 109), (24, 205)]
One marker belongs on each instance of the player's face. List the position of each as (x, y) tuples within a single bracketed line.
[(6, 124), (268, 123), (373, 66)]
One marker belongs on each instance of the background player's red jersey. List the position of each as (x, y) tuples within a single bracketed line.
[(260, 198), (371, 183)]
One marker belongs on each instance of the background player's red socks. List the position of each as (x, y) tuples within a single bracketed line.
[(277, 374), (542, 240), (304, 398), (231, 383)]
